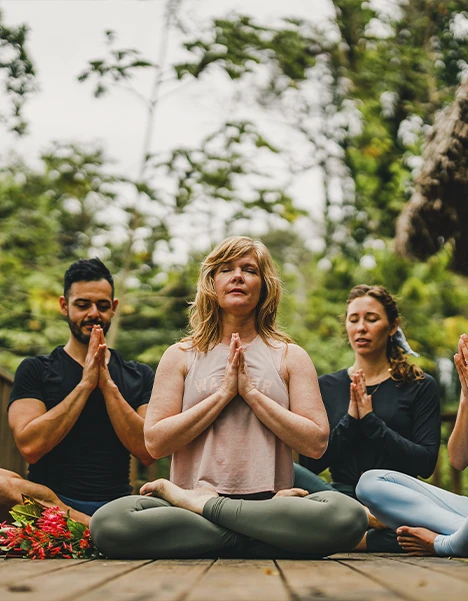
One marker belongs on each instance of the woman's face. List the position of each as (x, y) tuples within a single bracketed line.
[(238, 284), (368, 327)]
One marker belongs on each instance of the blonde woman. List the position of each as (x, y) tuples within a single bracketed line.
[(229, 403)]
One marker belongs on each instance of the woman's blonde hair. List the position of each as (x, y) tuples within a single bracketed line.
[(401, 370), (204, 315)]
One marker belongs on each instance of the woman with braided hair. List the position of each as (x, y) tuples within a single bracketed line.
[(383, 411)]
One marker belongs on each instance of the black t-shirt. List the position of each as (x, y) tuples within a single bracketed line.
[(90, 463), (402, 432)]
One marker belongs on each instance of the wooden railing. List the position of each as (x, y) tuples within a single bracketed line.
[(10, 457)]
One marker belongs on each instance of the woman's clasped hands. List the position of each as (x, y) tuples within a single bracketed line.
[(360, 403), (236, 378)]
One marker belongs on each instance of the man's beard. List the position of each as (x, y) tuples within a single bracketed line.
[(77, 332)]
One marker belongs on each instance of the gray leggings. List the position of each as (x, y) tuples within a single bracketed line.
[(377, 541), (400, 500), (320, 524)]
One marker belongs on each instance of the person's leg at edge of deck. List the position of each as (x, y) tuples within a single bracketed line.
[(428, 520), (13, 486)]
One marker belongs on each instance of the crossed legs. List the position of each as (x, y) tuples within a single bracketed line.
[(429, 520), (179, 523)]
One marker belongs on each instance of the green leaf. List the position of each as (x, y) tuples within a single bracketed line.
[(75, 528), (26, 514)]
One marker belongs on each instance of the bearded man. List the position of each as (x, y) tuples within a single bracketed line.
[(77, 414)]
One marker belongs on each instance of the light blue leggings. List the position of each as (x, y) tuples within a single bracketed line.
[(400, 500)]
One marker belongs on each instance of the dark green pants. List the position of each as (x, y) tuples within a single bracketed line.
[(320, 524)]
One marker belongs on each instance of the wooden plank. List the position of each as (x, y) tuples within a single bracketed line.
[(411, 580), (163, 580), (456, 568), (68, 583), (329, 579), (240, 580), (20, 571)]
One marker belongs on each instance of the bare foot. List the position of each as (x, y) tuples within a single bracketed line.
[(416, 541), (193, 500), (362, 546), (291, 492), (374, 522)]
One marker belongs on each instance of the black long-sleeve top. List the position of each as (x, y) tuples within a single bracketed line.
[(402, 432)]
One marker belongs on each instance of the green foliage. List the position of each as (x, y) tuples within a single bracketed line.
[(398, 81), (26, 513), (238, 44), (17, 74), (380, 79), (220, 171), (120, 66)]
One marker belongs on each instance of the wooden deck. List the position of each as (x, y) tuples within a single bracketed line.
[(346, 577)]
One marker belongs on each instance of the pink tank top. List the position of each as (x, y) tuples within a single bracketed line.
[(237, 454)]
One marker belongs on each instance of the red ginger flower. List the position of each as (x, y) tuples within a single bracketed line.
[(41, 532), (53, 522)]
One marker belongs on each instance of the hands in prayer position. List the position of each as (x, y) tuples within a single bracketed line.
[(95, 371), (457, 445), (461, 363), (237, 379), (360, 403)]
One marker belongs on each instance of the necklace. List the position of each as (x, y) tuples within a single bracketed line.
[(376, 388)]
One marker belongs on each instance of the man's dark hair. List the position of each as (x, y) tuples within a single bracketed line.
[(86, 270)]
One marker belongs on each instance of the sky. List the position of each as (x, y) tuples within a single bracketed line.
[(65, 34)]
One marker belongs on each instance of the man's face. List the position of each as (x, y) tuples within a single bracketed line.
[(88, 304)]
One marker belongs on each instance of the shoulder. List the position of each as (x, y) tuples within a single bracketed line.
[(31, 363), (294, 351), (426, 383), (297, 358), (428, 380), (30, 378), (35, 364), (424, 387), (175, 356)]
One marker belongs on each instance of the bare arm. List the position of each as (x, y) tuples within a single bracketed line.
[(458, 441), (304, 427), (36, 430), (127, 423), (167, 428)]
